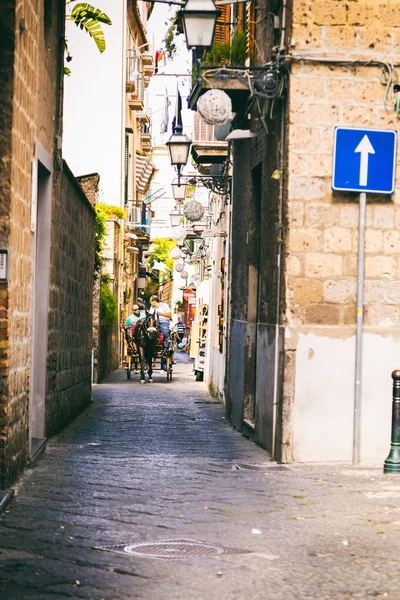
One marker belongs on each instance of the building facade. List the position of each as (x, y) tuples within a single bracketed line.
[(46, 242), (290, 369)]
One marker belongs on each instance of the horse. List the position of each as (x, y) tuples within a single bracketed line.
[(146, 338)]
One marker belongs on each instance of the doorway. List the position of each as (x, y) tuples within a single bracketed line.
[(41, 226), (250, 398)]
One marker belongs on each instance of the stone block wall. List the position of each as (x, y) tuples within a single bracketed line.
[(70, 309), (31, 81), (323, 225), (7, 46), (329, 86)]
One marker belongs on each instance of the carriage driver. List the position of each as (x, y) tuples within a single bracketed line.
[(133, 317), (162, 311)]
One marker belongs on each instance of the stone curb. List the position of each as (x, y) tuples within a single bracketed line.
[(5, 499)]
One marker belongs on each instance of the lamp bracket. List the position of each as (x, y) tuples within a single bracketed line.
[(219, 184)]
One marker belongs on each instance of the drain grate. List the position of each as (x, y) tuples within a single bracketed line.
[(168, 549)]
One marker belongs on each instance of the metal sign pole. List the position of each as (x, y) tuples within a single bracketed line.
[(359, 329)]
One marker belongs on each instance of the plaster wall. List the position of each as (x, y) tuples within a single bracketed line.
[(324, 400)]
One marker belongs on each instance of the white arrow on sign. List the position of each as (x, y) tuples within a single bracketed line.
[(364, 148)]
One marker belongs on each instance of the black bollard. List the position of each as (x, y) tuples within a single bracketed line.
[(392, 463)]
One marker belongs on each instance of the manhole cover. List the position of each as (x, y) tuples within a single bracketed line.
[(168, 549)]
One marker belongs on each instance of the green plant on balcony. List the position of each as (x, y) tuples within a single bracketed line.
[(233, 52)]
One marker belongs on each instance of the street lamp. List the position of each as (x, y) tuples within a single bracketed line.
[(199, 18), (178, 147), (179, 191), (178, 144), (175, 217)]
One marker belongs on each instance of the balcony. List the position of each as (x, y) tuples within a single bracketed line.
[(146, 141), (136, 98), (137, 222), (209, 153), (220, 78), (222, 68), (147, 64)]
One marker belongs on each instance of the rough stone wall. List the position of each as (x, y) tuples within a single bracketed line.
[(322, 226), (7, 29), (70, 314), (31, 47), (90, 185)]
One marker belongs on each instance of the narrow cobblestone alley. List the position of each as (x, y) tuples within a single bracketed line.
[(146, 464)]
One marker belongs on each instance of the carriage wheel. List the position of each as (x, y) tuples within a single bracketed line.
[(128, 372)]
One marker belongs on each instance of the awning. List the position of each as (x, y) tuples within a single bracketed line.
[(145, 171)]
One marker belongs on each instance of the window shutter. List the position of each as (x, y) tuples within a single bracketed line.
[(222, 27)]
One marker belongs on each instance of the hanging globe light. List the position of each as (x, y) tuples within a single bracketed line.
[(175, 253), (179, 267), (193, 210), (215, 107), (184, 274), (179, 233)]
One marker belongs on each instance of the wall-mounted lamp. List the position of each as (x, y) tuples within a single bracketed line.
[(199, 18), (179, 191), (3, 265), (175, 217)]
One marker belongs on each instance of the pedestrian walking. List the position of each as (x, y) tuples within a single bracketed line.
[(180, 331)]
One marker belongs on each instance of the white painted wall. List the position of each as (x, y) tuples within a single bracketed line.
[(93, 104), (324, 397)]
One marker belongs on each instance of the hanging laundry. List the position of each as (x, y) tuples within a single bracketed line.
[(165, 117)]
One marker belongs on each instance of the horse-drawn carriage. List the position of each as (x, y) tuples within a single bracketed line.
[(147, 349)]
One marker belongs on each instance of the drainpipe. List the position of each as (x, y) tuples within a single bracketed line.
[(279, 284), (280, 243)]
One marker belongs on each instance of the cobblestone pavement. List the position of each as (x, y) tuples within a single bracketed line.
[(146, 464)]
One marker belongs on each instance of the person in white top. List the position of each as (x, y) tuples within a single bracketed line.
[(163, 313)]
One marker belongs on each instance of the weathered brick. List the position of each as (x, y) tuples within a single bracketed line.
[(306, 188), (306, 36), (329, 12), (319, 165), (383, 316), (337, 239), (393, 291), (307, 290), (362, 13), (294, 266), (301, 11), (373, 241), (340, 89), (378, 39), (321, 215), (323, 265), (383, 217), (374, 290), (297, 164), (380, 266), (296, 214), (339, 291), (341, 36), (307, 87), (322, 314), (358, 115), (391, 242)]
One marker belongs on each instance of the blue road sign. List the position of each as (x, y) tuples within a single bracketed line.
[(364, 160)]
